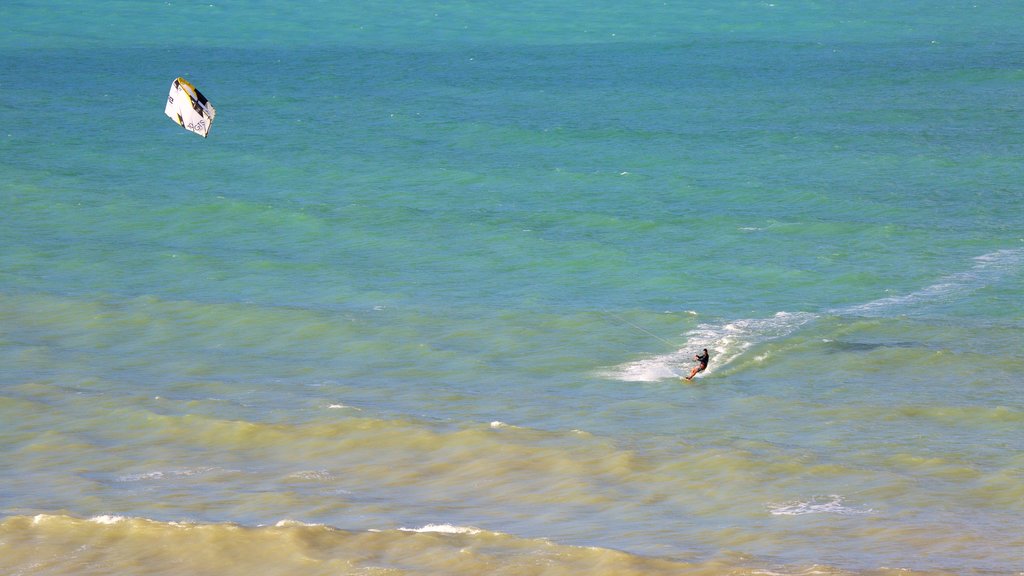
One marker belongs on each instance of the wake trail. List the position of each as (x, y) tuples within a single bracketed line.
[(730, 340), (988, 268)]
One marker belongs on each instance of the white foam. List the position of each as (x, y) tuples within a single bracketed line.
[(107, 519), (444, 529), (814, 569), (159, 475), (141, 476), (286, 523), (729, 340), (832, 504), (724, 341), (312, 475), (987, 269)]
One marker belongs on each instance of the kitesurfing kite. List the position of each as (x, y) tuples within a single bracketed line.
[(189, 108)]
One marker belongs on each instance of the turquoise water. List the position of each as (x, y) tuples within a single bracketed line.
[(421, 301)]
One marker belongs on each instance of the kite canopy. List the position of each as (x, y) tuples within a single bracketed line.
[(189, 108)]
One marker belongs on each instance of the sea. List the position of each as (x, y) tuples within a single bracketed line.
[(422, 302)]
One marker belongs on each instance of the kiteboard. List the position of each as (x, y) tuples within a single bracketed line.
[(189, 108)]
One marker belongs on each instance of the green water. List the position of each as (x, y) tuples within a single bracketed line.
[(421, 301)]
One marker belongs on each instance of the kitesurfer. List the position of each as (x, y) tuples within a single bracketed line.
[(702, 360)]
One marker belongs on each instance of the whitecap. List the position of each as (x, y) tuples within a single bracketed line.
[(832, 504), (141, 476), (815, 569), (159, 474), (312, 475), (444, 529), (107, 519), (287, 523)]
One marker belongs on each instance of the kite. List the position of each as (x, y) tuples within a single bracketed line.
[(189, 108)]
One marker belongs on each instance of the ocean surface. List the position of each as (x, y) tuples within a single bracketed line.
[(421, 302)]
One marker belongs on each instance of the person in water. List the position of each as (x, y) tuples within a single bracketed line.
[(702, 365)]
